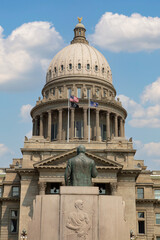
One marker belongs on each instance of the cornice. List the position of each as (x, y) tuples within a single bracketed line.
[(11, 199), (108, 103), (155, 201)]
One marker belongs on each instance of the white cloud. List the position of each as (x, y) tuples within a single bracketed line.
[(133, 33), (29, 134), (25, 112), (24, 54), (151, 92), (141, 116), (150, 152), (3, 149)]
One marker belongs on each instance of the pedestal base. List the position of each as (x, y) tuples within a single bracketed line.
[(78, 213)]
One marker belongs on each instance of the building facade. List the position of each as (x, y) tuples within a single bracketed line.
[(59, 128)]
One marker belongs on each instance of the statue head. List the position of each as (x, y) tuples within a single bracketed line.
[(79, 204), (81, 149)]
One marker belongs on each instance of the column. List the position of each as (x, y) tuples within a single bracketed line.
[(97, 124), (60, 125), (41, 125), (36, 126), (107, 126), (116, 125), (121, 128), (49, 124), (42, 188), (33, 126), (72, 123), (85, 123), (113, 187)]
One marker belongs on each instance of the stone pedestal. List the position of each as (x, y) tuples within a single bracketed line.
[(78, 213)]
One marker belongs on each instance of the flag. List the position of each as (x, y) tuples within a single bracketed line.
[(74, 105), (93, 104), (74, 99)]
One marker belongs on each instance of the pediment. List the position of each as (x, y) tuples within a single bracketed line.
[(60, 161)]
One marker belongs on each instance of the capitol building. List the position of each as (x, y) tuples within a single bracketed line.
[(79, 107)]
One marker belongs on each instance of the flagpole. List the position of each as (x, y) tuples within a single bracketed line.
[(89, 117), (68, 121)]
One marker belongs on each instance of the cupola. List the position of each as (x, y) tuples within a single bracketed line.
[(79, 33)]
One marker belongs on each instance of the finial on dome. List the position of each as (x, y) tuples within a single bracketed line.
[(79, 19), (79, 33)]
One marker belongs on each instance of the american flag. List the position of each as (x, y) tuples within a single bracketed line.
[(74, 99)]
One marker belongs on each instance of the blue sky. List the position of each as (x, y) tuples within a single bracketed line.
[(126, 32)]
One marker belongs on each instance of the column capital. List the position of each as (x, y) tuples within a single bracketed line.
[(42, 187), (49, 111), (113, 188)]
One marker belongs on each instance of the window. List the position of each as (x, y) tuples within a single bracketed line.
[(69, 92), (96, 68), (55, 69), (54, 131), (78, 126), (15, 191), (103, 132), (88, 66), (1, 191), (104, 93), (157, 238), (70, 66), (79, 65), (157, 218), (141, 222), (61, 67), (88, 93), (54, 188), (49, 73), (14, 221), (79, 32), (140, 193), (60, 91), (157, 194), (79, 92), (102, 70)]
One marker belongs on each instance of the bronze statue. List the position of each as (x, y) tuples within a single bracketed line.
[(80, 169)]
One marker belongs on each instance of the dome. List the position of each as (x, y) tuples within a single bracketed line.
[(79, 59)]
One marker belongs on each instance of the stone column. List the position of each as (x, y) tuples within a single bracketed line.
[(42, 188), (121, 127), (60, 125), (41, 125), (49, 124), (36, 126), (113, 188), (116, 125), (72, 123), (33, 126), (107, 126), (85, 123), (97, 124)]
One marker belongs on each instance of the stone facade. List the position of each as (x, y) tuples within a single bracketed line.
[(79, 70)]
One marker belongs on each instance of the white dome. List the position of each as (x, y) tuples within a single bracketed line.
[(79, 59)]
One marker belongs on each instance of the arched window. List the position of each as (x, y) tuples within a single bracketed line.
[(88, 66), (79, 65), (70, 66), (79, 32), (55, 69), (61, 67), (102, 70), (96, 68)]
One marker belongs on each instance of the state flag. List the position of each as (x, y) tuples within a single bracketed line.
[(93, 104), (74, 105), (74, 99)]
